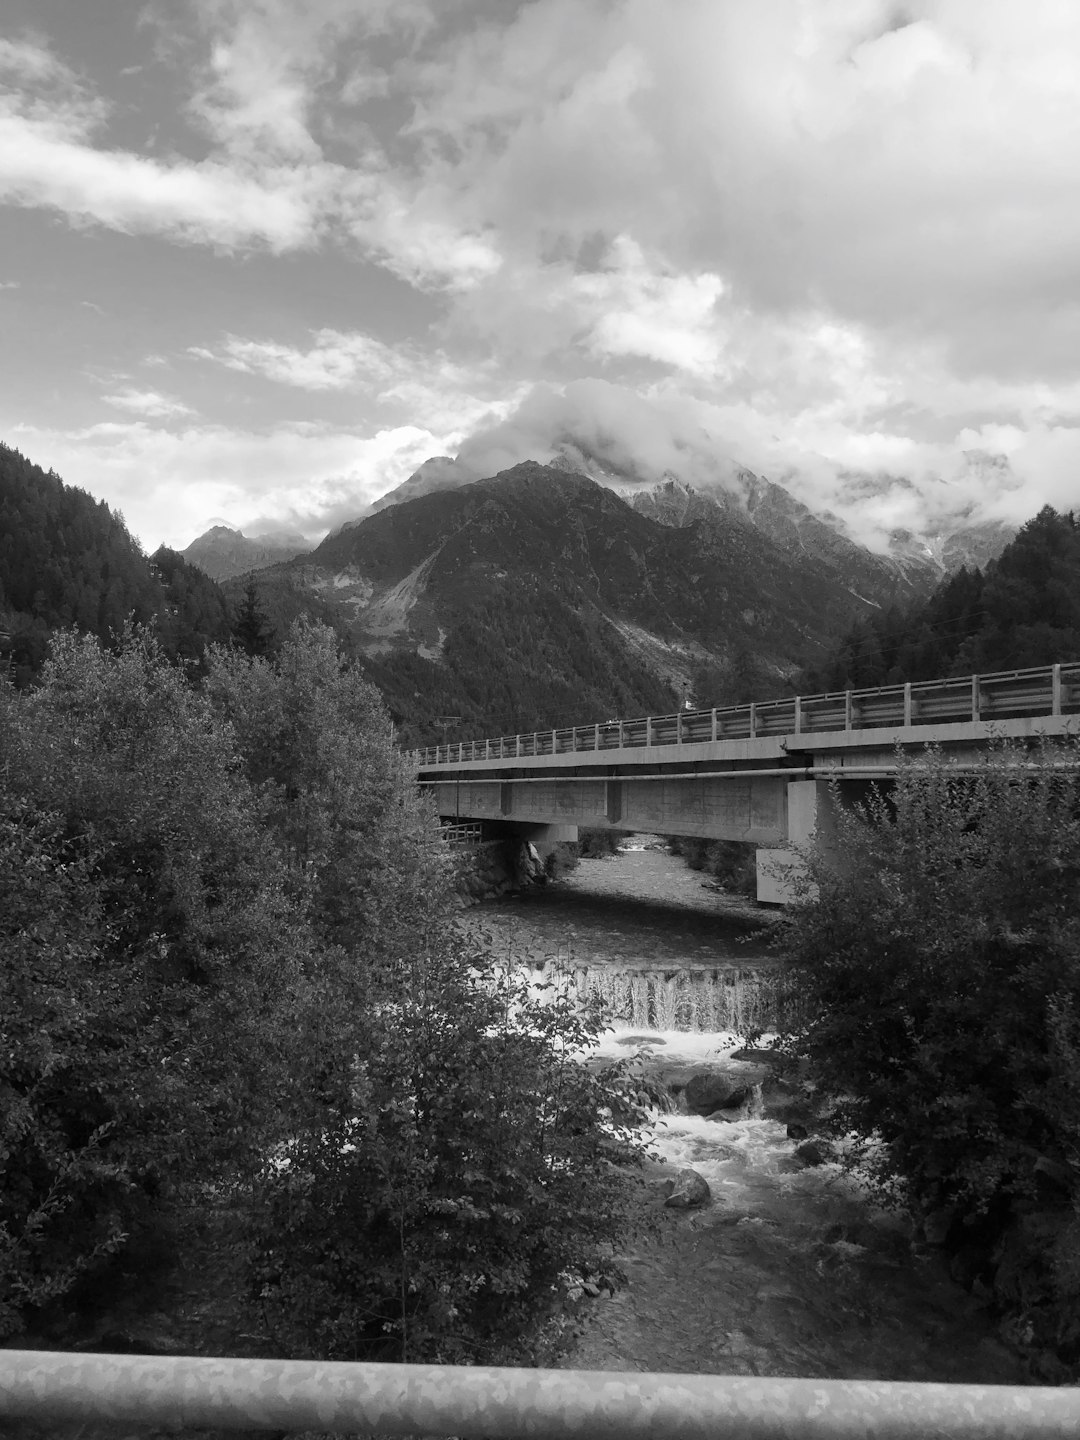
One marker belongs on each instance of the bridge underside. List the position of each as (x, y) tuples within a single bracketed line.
[(768, 811), (753, 809)]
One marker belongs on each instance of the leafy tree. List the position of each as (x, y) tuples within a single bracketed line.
[(154, 965), (939, 960), (464, 1188), (342, 802), (452, 1162)]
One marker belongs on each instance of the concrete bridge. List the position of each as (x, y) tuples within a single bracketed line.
[(758, 773)]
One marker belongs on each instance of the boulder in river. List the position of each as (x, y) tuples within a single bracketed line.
[(713, 1090), (815, 1152), (691, 1190)]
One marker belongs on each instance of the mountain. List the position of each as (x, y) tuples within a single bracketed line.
[(774, 513), (221, 552), (910, 561), (540, 597)]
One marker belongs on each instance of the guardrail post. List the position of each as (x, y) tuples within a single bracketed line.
[(596, 736), (847, 709), (622, 738), (487, 749), (554, 742), (678, 728), (798, 714), (1055, 690), (907, 702), (517, 747), (753, 721), (714, 723), (648, 731), (975, 697)]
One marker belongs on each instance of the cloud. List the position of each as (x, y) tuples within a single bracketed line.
[(335, 361), (875, 482), (148, 403), (166, 483), (420, 385)]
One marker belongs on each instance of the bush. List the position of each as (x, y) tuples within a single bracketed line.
[(439, 1214), (940, 968), (732, 863), (598, 844)]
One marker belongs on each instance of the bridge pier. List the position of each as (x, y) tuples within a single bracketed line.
[(811, 811)]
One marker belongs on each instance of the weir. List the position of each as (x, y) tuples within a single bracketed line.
[(738, 999)]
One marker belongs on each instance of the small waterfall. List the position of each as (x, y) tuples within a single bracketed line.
[(719, 998)]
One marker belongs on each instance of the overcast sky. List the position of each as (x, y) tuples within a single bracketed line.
[(260, 258)]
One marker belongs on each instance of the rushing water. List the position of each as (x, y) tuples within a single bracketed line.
[(788, 1270)]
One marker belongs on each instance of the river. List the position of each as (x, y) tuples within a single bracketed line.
[(787, 1271)]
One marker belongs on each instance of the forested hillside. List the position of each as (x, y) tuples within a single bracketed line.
[(66, 560), (1023, 610)]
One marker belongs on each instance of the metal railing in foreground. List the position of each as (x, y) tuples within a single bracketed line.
[(1004, 695), (448, 1400)]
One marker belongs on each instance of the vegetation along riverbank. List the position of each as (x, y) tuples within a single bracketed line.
[(239, 1014)]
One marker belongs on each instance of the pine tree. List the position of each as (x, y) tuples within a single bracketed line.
[(252, 626)]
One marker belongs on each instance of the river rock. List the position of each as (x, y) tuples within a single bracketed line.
[(691, 1190), (814, 1152), (706, 1093)]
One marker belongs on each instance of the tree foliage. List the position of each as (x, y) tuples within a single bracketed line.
[(230, 958), (445, 1208), (940, 966), (150, 951)]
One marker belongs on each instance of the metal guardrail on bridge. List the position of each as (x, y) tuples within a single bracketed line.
[(437, 1400), (1002, 695)]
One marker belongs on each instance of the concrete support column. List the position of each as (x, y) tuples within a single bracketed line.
[(811, 818)]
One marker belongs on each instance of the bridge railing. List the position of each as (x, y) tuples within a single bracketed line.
[(1001, 695), (437, 1400)]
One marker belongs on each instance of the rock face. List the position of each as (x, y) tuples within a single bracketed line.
[(691, 1191)]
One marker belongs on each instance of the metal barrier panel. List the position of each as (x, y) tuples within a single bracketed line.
[(433, 1400)]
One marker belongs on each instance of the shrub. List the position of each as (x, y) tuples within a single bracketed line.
[(470, 1175), (939, 962), (598, 844), (732, 863)]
